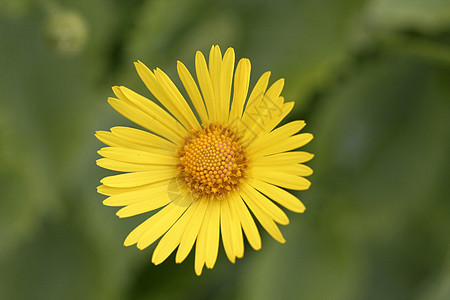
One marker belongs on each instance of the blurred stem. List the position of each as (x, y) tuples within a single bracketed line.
[(417, 46)]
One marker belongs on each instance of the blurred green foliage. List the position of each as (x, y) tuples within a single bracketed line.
[(371, 78)]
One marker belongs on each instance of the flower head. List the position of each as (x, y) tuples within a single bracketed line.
[(207, 170)]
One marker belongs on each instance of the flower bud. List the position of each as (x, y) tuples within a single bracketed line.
[(66, 32)]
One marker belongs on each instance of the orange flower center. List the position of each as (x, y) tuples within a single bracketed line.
[(212, 162)]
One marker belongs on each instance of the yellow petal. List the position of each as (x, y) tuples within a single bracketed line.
[(212, 236), (138, 178), (263, 218), (279, 115), (159, 227), (143, 206), (281, 134), (255, 97), (139, 117), (110, 191), (149, 231), (241, 84), (274, 91), (215, 66), (291, 143), (261, 119), (192, 90), (191, 233), (121, 166), (200, 247), (226, 230), (226, 79), (199, 262), (285, 158), (261, 112), (257, 201), (168, 95), (258, 90), (206, 86), (136, 156), (184, 112), (107, 190), (155, 111), (297, 169), (236, 230), (293, 169), (243, 125), (278, 195), (150, 81), (167, 213), (111, 139), (134, 236), (151, 193), (172, 238), (145, 138), (248, 224), (287, 181)]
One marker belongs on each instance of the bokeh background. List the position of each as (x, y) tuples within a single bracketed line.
[(370, 77)]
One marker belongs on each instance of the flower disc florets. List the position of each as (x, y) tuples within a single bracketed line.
[(212, 162)]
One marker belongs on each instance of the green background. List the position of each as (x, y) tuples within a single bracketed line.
[(371, 78)]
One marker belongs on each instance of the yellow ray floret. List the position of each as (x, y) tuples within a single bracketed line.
[(207, 165)]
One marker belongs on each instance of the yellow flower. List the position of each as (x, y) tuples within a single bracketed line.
[(207, 170)]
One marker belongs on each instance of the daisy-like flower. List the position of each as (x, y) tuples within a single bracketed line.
[(209, 172)]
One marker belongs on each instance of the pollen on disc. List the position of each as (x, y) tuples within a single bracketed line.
[(212, 162)]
